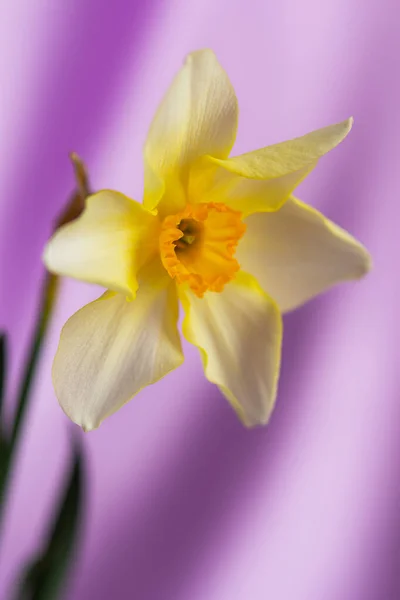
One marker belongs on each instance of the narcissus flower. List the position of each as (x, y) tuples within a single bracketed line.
[(224, 236)]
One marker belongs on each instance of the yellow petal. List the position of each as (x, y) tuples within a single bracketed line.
[(238, 332), (198, 116), (262, 180), (286, 157), (113, 347), (296, 253), (241, 194), (107, 244)]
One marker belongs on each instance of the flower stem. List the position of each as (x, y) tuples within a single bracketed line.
[(8, 445), (46, 305)]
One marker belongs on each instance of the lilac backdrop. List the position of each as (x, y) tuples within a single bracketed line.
[(182, 501)]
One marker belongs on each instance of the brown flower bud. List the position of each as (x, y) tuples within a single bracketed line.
[(76, 203)]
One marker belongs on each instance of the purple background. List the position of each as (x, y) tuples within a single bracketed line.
[(183, 502)]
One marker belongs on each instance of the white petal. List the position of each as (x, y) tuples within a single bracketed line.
[(239, 333), (112, 348), (107, 244), (197, 116), (296, 253)]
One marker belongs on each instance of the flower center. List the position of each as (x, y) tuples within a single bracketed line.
[(197, 246)]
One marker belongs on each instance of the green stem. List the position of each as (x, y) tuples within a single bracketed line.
[(8, 446), (46, 306)]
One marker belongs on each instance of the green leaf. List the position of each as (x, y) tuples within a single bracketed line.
[(3, 367), (4, 464), (4, 446), (44, 577)]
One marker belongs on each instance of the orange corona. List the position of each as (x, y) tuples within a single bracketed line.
[(197, 246)]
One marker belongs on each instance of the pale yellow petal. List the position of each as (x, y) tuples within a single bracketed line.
[(242, 194), (297, 253), (238, 332), (262, 180), (112, 348), (286, 157), (107, 244), (197, 116)]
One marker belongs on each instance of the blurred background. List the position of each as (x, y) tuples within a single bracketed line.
[(182, 501)]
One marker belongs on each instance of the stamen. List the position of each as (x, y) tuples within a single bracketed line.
[(188, 239)]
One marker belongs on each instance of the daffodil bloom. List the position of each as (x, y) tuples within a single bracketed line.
[(224, 236)]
